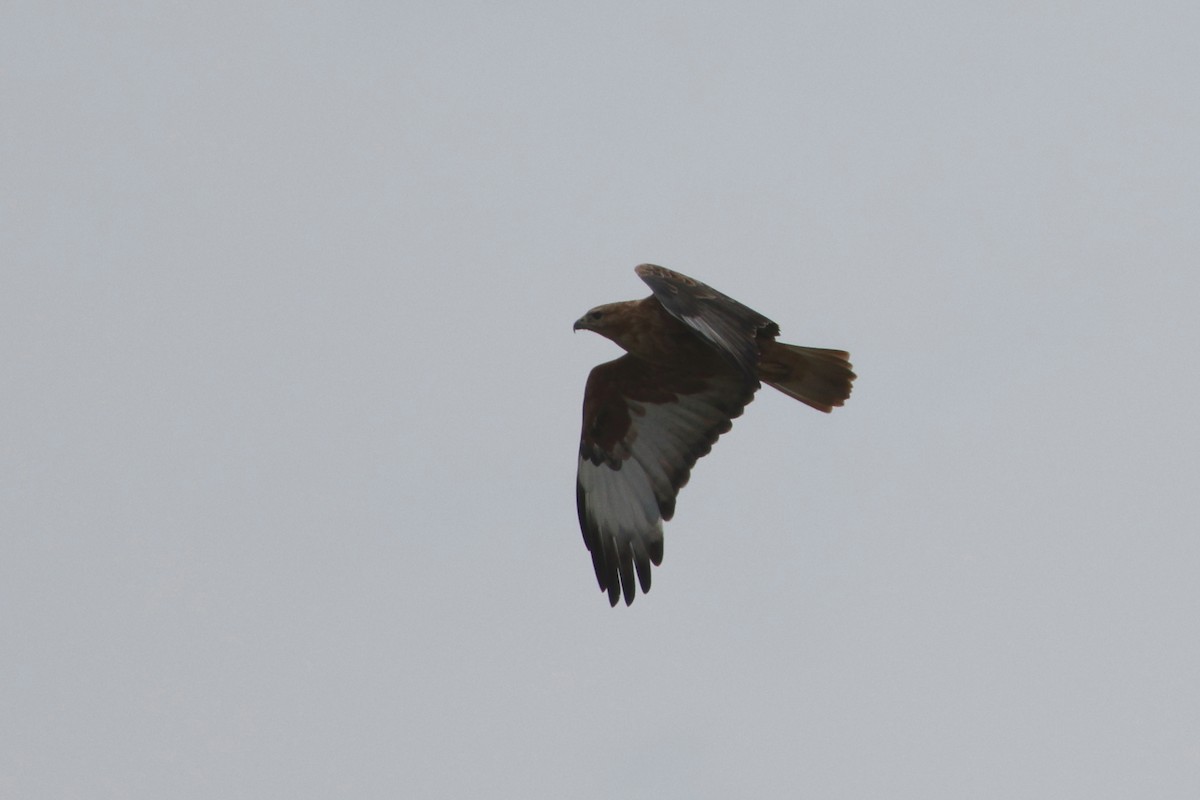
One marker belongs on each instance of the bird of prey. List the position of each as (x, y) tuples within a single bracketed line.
[(694, 359)]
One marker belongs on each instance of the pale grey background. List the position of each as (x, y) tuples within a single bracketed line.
[(291, 400)]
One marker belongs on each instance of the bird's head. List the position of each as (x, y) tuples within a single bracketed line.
[(604, 320)]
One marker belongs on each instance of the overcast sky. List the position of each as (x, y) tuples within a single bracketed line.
[(291, 400)]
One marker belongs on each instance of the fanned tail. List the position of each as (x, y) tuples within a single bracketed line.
[(813, 375)]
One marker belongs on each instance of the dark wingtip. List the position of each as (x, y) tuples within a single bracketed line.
[(642, 562), (627, 584)]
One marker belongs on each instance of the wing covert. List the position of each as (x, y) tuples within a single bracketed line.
[(730, 326)]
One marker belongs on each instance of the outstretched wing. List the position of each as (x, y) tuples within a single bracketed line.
[(727, 324), (643, 429)]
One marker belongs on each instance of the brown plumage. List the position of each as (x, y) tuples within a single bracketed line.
[(694, 359)]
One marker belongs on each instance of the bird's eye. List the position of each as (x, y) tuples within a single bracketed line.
[(596, 315)]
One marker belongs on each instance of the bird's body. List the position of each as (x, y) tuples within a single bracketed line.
[(694, 359)]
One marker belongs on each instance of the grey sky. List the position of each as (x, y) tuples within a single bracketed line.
[(291, 400)]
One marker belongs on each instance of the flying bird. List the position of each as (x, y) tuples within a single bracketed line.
[(694, 359)]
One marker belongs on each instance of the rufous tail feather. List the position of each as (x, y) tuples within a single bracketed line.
[(813, 375)]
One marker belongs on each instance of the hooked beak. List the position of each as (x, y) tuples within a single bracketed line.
[(579, 325)]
